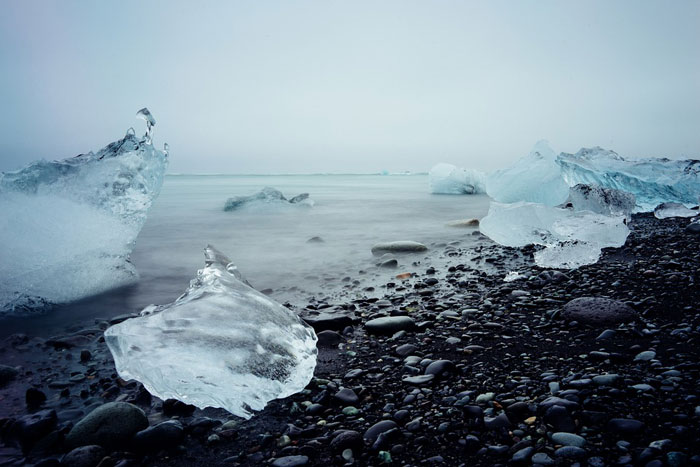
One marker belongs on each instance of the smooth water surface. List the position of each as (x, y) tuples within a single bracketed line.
[(269, 243)]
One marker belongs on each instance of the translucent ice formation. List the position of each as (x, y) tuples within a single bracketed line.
[(221, 344), (268, 196), (571, 238), (535, 178), (652, 181), (450, 180), (608, 201), (68, 226), (666, 210)]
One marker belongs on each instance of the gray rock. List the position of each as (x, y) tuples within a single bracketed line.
[(347, 396), (568, 439), (166, 435), (377, 429), (328, 338), (84, 456), (111, 426), (597, 311), (625, 426), (405, 350), (347, 439), (398, 247), (290, 461), (389, 325)]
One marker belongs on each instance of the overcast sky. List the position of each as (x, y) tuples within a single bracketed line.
[(349, 86)]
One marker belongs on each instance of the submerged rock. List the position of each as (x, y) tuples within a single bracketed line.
[(398, 247), (221, 344)]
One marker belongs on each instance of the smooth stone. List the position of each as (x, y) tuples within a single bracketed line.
[(290, 461), (439, 367), (328, 338), (542, 459), (606, 380), (347, 439), (645, 356), (165, 435), (377, 429), (568, 439), (405, 350), (418, 380), (571, 452), (84, 456), (389, 324), (625, 426), (398, 247), (7, 375), (328, 320), (112, 425), (347, 396), (597, 311)]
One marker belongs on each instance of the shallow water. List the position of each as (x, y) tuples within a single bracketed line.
[(269, 243)]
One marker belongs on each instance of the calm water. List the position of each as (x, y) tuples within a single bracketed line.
[(269, 244)]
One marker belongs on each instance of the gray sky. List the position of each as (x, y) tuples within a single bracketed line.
[(351, 86)]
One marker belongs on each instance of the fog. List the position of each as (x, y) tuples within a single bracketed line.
[(351, 87)]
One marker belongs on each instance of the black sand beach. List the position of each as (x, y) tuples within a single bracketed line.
[(470, 370)]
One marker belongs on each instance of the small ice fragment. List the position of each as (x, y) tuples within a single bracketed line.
[(145, 114), (513, 276), (447, 179), (666, 210)]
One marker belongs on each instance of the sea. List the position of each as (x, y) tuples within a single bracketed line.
[(269, 242)]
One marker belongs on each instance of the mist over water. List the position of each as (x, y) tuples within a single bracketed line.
[(269, 242)]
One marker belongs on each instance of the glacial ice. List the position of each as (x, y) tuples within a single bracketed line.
[(608, 201), (268, 196), (651, 181), (221, 344), (68, 226), (535, 178), (451, 180), (666, 210), (571, 238)]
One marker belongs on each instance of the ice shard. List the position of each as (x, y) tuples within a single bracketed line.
[(451, 180), (68, 226), (666, 210), (652, 181), (571, 238), (221, 344), (266, 197), (535, 178)]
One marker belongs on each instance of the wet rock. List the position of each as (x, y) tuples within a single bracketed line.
[(29, 429), (389, 325), (559, 419), (440, 367), (328, 320), (347, 396), (398, 247), (34, 398), (625, 426), (173, 407), (111, 426), (347, 439), (328, 339), (378, 428), (165, 435), (290, 461), (84, 456)]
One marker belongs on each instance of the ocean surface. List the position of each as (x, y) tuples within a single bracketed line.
[(269, 242)]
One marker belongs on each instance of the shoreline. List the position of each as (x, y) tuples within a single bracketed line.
[(508, 371)]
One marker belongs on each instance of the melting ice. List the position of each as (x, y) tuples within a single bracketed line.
[(221, 344), (451, 180), (68, 226), (268, 196)]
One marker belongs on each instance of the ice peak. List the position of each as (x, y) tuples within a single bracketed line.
[(145, 114)]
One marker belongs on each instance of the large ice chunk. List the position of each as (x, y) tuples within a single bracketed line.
[(571, 238), (666, 210), (221, 344), (535, 178), (68, 226), (608, 201), (652, 181), (448, 179), (268, 196)]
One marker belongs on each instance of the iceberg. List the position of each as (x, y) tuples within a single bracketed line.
[(221, 344), (68, 226), (608, 201), (666, 210), (652, 181), (267, 196), (448, 179), (535, 178), (571, 238)]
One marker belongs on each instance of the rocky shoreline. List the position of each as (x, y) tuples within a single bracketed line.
[(453, 366)]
